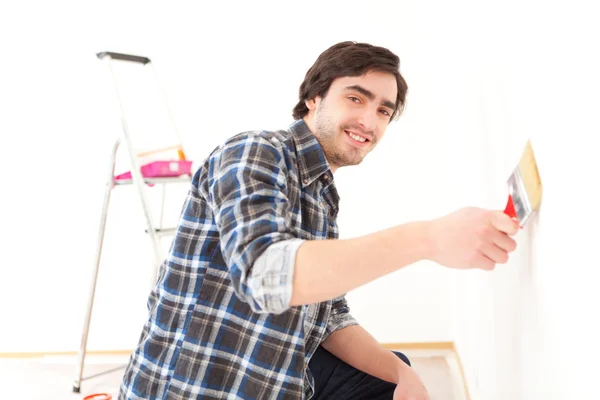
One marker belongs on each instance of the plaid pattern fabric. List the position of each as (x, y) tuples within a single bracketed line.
[(220, 325)]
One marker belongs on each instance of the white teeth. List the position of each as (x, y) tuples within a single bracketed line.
[(357, 138)]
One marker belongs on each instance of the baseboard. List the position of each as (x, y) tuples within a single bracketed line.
[(39, 354), (463, 377), (442, 346), (420, 346), (449, 347), (391, 346)]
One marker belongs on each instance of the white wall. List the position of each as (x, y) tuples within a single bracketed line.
[(223, 73), (528, 331), (483, 77)]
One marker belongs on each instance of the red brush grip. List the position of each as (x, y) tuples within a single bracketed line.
[(510, 208)]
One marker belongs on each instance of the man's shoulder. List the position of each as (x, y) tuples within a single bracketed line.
[(252, 147), (280, 140), (280, 136)]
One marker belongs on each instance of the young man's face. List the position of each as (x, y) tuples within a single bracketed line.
[(353, 116)]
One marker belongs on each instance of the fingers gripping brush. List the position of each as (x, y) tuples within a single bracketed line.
[(524, 188)]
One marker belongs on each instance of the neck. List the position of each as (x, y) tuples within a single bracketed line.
[(309, 120)]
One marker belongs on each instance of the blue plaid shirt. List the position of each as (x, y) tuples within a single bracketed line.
[(220, 325)]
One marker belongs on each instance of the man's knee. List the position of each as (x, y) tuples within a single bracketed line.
[(403, 357)]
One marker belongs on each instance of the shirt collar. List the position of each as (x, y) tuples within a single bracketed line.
[(311, 158)]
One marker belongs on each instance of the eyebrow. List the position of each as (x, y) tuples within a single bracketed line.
[(371, 96)]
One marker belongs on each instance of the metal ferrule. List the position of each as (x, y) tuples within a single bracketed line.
[(516, 188)]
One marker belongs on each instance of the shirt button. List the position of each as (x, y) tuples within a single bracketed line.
[(326, 177), (305, 181)]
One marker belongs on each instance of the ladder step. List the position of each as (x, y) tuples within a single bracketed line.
[(164, 231), (153, 181)]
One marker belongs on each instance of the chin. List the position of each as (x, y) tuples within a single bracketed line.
[(353, 162)]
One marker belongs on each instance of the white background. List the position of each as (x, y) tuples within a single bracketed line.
[(483, 77)]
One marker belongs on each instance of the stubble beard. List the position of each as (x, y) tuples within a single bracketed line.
[(326, 134)]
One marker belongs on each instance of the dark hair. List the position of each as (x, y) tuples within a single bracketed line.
[(349, 59)]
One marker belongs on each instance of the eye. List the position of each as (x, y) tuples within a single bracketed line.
[(354, 99), (385, 112)]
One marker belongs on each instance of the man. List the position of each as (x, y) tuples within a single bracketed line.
[(250, 301)]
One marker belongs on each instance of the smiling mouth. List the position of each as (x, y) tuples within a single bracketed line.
[(357, 139)]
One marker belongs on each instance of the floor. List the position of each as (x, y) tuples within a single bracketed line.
[(52, 377)]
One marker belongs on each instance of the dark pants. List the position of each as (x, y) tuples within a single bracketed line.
[(334, 379)]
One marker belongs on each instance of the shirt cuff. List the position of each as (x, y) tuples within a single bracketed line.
[(340, 316), (272, 276), (337, 323)]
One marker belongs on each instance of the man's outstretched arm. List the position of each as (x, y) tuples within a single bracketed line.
[(467, 238)]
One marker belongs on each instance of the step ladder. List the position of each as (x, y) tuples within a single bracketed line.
[(156, 173)]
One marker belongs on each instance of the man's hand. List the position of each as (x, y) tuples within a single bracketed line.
[(409, 386), (473, 238)]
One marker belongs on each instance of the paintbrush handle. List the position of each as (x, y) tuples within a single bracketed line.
[(510, 208)]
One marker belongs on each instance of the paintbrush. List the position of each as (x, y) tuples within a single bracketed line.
[(524, 188)]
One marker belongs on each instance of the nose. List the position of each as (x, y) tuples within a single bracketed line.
[(368, 120)]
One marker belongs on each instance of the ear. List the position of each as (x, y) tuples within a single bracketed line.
[(311, 104)]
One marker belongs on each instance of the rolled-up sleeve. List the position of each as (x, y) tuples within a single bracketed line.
[(248, 193), (340, 316)]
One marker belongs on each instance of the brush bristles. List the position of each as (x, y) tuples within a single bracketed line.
[(531, 177)]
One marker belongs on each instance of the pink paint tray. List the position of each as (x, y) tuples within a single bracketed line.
[(162, 169)]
